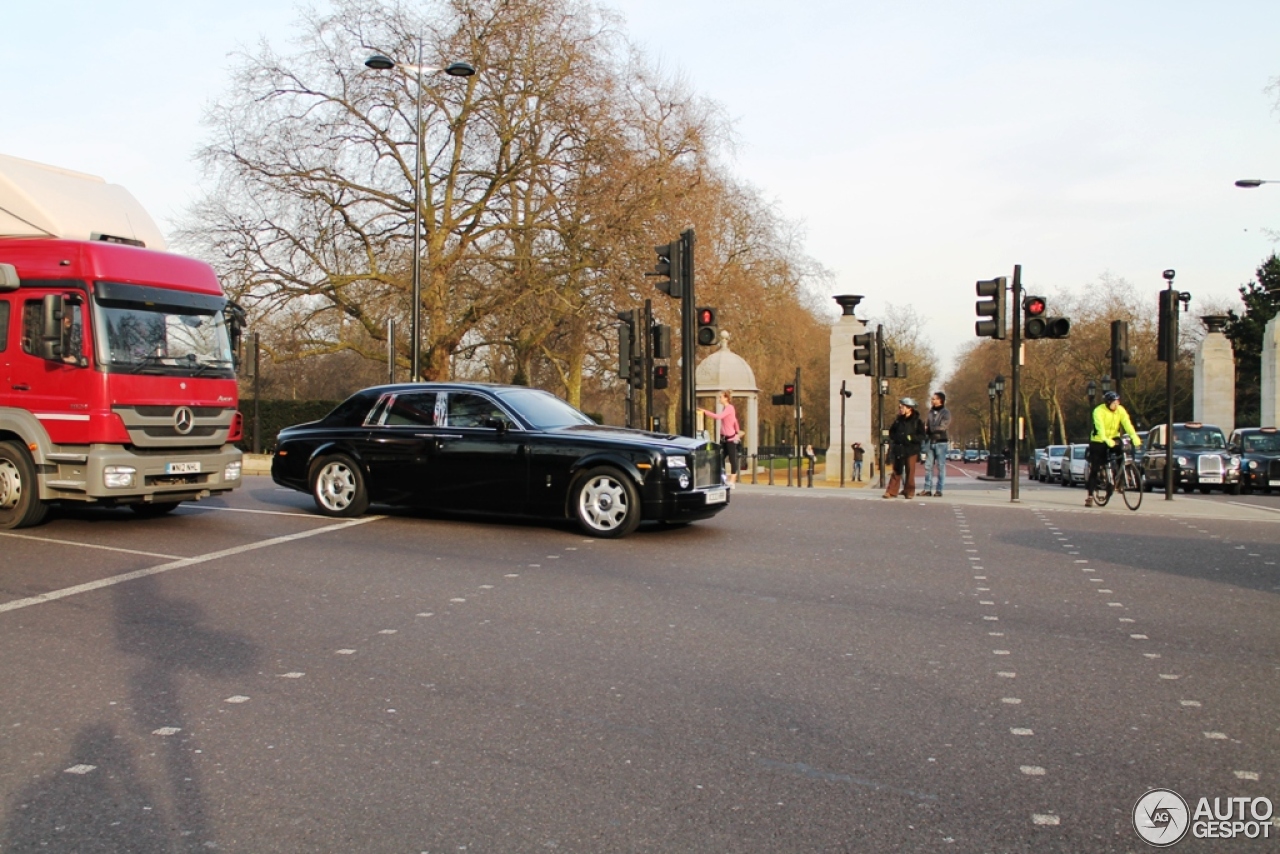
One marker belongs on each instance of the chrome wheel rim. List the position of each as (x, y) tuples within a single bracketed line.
[(603, 503), (10, 485), (336, 487)]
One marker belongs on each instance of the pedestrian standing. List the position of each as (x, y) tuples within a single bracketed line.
[(730, 432), (937, 442), (906, 436), (858, 453)]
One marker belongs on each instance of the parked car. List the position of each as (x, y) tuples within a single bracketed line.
[(507, 450), (1201, 458), (1259, 450), (1051, 465), (955, 455), (971, 455), (1074, 468)]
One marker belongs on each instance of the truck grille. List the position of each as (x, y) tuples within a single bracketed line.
[(157, 427)]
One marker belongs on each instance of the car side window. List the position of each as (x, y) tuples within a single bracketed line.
[(415, 409), (4, 326), (471, 410)]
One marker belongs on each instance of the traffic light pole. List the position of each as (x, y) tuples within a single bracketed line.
[(881, 383), (688, 339), (1171, 351), (1015, 435), (648, 365)]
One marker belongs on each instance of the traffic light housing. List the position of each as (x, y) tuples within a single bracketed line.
[(706, 326), (626, 343), (864, 354), (1038, 324), (659, 377), (1120, 355), (661, 341), (788, 396), (888, 365), (669, 270), (993, 306), (1167, 333)]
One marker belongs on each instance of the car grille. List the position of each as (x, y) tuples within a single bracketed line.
[(707, 466), (1210, 464), (1273, 470)]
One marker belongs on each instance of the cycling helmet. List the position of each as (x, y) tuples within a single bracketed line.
[(1110, 397)]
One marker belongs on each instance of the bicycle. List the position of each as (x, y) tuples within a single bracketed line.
[(1120, 474)]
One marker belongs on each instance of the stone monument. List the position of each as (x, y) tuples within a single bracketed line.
[(857, 406), (1214, 395)]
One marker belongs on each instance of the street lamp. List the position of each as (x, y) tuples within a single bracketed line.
[(1250, 183), (379, 62), (1106, 383), (1092, 390), (999, 384)]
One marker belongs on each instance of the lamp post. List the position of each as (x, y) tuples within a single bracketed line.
[(1092, 391), (991, 419), (379, 62), (999, 384)]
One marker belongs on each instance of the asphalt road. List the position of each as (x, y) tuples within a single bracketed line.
[(813, 670)]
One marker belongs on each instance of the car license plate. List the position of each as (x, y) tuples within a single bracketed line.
[(717, 496), (1210, 479), (182, 468), (1273, 483)]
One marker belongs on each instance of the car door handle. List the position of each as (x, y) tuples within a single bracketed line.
[(21, 387), (439, 437)]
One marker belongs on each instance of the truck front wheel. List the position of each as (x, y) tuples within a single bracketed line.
[(20, 504)]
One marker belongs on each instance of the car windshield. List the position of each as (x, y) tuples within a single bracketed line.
[(544, 411), (1209, 438), (1057, 450), (1262, 443)]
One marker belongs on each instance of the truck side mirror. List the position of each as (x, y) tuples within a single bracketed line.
[(53, 341), (236, 320)]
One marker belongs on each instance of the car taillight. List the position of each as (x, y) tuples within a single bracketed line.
[(237, 428)]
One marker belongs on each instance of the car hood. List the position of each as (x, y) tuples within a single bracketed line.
[(606, 435)]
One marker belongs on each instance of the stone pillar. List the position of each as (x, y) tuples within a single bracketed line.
[(857, 408), (1214, 388), (1270, 414)]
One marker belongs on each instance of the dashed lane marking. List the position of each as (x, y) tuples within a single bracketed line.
[(177, 564)]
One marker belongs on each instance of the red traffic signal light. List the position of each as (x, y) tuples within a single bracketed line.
[(659, 376), (706, 318), (1034, 306), (788, 396)]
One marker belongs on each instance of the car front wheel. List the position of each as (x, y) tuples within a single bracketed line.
[(338, 488), (606, 503)]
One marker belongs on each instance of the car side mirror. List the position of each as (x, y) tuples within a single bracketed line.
[(499, 424)]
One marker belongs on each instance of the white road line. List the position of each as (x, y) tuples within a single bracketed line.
[(177, 564), (1252, 507), (87, 545), (299, 514)]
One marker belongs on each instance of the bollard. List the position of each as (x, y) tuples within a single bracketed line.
[(771, 469), (811, 472)]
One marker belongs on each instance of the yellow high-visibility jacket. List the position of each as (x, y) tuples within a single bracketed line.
[(1107, 425)]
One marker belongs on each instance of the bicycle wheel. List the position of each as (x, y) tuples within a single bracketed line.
[(1106, 485), (1132, 485)]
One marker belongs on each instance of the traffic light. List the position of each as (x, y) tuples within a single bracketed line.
[(626, 343), (1120, 355), (670, 268), (864, 354), (706, 326), (788, 396), (1038, 325), (661, 341), (993, 306), (659, 377), (1167, 333), (888, 365)]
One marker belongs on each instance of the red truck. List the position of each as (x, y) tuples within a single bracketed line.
[(119, 383)]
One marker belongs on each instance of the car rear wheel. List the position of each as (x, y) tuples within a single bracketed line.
[(20, 504), (606, 502), (338, 487)]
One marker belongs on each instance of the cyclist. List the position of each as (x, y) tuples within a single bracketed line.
[(1109, 419)]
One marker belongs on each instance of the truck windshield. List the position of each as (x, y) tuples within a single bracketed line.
[(146, 337)]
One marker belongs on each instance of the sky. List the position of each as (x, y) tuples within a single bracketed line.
[(921, 145)]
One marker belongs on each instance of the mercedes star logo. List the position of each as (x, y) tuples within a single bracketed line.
[(184, 419)]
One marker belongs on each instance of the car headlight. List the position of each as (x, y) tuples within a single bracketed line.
[(119, 477), (684, 480), (677, 463), (1234, 463), (1182, 461), (232, 471)]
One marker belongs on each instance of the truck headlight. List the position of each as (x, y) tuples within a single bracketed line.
[(232, 471), (119, 477)]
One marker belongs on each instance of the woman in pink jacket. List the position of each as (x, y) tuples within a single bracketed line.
[(729, 431)]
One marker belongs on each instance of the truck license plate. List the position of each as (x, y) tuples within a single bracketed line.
[(182, 468), (717, 496)]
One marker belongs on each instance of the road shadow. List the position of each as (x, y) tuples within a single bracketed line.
[(115, 806)]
